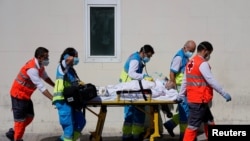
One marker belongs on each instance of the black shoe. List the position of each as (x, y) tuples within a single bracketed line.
[(170, 130), (10, 134)]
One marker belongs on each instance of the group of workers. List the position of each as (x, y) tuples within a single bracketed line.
[(191, 76), (30, 78)]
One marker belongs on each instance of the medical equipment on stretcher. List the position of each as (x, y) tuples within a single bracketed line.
[(119, 100)]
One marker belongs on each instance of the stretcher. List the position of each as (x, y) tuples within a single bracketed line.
[(153, 113)]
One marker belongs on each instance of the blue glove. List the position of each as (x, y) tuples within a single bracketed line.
[(227, 97)]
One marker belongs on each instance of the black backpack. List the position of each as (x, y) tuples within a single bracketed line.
[(77, 95)]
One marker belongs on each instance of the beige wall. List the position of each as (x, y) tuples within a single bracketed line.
[(165, 24)]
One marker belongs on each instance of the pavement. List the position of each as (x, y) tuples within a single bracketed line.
[(111, 129), (85, 137)]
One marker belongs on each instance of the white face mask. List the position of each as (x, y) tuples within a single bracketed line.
[(45, 62), (188, 54), (76, 60)]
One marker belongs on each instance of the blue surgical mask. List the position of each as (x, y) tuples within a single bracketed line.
[(188, 54), (146, 59), (45, 62), (76, 60)]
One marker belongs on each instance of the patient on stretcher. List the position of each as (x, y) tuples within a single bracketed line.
[(158, 88)]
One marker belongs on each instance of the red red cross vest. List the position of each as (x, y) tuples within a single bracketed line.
[(23, 87), (198, 90)]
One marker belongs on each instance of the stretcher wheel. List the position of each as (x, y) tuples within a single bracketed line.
[(91, 138)]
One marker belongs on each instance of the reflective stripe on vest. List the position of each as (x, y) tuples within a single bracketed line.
[(199, 81), (25, 81)]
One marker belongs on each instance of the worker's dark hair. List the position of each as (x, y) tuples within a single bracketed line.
[(40, 51), (68, 51), (147, 48), (205, 45)]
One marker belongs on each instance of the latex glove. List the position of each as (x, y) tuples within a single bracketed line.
[(147, 77), (227, 97), (81, 83)]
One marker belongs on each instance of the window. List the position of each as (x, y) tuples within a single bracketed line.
[(102, 30)]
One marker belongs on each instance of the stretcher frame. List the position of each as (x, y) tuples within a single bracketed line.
[(153, 113)]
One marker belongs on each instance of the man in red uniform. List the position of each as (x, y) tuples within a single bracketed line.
[(26, 82), (197, 85)]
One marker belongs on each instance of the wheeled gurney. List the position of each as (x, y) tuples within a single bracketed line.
[(119, 101)]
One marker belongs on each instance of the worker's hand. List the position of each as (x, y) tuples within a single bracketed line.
[(180, 98), (170, 85), (227, 97), (148, 78), (81, 83)]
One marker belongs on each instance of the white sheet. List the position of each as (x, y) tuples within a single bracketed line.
[(159, 92)]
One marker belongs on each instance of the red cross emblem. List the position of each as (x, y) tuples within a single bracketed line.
[(190, 65)]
